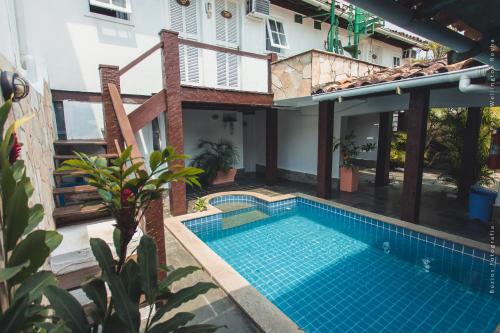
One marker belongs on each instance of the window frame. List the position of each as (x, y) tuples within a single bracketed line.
[(270, 31), (111, 6), (394, 58)]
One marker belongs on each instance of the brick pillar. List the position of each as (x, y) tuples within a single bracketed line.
[(175, 135), (110, 74), (468, 165), (383, 149), (271, 146), (325, 149), (414, 162), (154, 228)]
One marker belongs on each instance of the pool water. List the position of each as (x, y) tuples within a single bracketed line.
[(330, 273)]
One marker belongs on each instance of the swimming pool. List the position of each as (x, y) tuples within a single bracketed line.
[(332, 270)]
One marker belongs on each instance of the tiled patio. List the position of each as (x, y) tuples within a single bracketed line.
[(439, 209)]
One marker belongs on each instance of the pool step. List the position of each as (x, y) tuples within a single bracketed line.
[(234, 221), (228, 207)]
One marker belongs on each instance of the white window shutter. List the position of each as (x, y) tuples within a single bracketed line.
[(232, 70), (182, 62), (221, 69), (176, 16), (193, 64), (232, 23), (220, 22), (191, 19), (226, 29)]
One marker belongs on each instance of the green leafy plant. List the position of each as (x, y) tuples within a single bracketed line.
[(350, 150), (200, 205), (398, 149), (215, 156), (126, 190), (24, 250)]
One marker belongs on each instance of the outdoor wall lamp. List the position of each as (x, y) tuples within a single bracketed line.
[(14, 86)]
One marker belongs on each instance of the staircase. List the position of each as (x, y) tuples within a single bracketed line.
[(71, 193)]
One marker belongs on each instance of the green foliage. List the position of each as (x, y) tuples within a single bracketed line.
[(23, 251), (398, 149), (200, 205), (126, 190), (350, 150), (215, 156), (446, 131)]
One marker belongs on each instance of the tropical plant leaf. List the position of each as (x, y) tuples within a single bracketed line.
[(178, 320), (147, 259), (155, 159), (95, 290), (131, 280), (8, 272), (68, 309), (176, 275), (203, 328), (16, 215), (176, 299), (36, 214), (34, 285), (35, 248), (126, 310), (13, 319)]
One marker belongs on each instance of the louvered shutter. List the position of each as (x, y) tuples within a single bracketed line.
[(226, 34), (184, 19)]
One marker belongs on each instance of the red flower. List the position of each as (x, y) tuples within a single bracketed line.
[(15, 151), (126, 194)]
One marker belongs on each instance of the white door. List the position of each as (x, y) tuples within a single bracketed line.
[(227, 35), (184, 18)]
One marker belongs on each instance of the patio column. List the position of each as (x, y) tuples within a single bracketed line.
[(383, 149), (415, 145), (110, 74), (271, 146), (174, 127), (468, 168), (325, 149)]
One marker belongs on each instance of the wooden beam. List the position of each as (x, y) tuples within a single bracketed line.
[(220, 96), (414, 161), (325, 149), (383, 149), (145, 113), (468, 164), (123, 122), (271, 146), (140, 58), (93, 97), (216, 48)]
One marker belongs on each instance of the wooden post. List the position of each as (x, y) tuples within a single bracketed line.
[(325, 149), (468, 168), (174, 126), (271, 146), (110, 74), (415, 145), (383, 149)]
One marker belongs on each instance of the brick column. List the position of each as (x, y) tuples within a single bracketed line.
[(154, 228), (174, 127), (109, 74), (271, 146), (383, 149), (325, 149), (414, 162)]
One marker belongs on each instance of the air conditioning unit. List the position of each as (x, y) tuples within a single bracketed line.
[(258, 8)]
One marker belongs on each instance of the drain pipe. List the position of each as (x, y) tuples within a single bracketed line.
[(466, 87), (470, 73), (404, 17)]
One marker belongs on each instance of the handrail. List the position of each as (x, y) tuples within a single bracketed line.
[(222, 49), (140, 58)]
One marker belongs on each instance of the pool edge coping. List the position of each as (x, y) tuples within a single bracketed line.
[(267, 316)]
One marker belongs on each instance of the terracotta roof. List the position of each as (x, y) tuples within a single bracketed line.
[(406, 71)]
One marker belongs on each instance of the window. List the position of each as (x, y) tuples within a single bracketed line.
[(396, 61), (409, 54), (269, 47), (298, 18), (277, 34), (317, 25), (113, 8)]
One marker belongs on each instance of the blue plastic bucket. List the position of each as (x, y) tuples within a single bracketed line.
[(481, 202)]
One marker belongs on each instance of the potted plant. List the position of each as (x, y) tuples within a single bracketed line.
[(349, 172), (218, 160)]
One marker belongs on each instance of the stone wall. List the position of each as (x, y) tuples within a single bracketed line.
[(37, 137), (304, 73)]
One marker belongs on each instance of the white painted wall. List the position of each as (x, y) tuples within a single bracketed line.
[(208, 125), (365, 128)]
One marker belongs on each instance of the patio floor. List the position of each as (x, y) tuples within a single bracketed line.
[(439, 209)]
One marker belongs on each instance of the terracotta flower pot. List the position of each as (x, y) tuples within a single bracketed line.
[(349, 179), (224, 177)]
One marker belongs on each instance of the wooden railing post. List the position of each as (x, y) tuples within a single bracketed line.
[(110, 74), (271, 57), (173, 102)]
